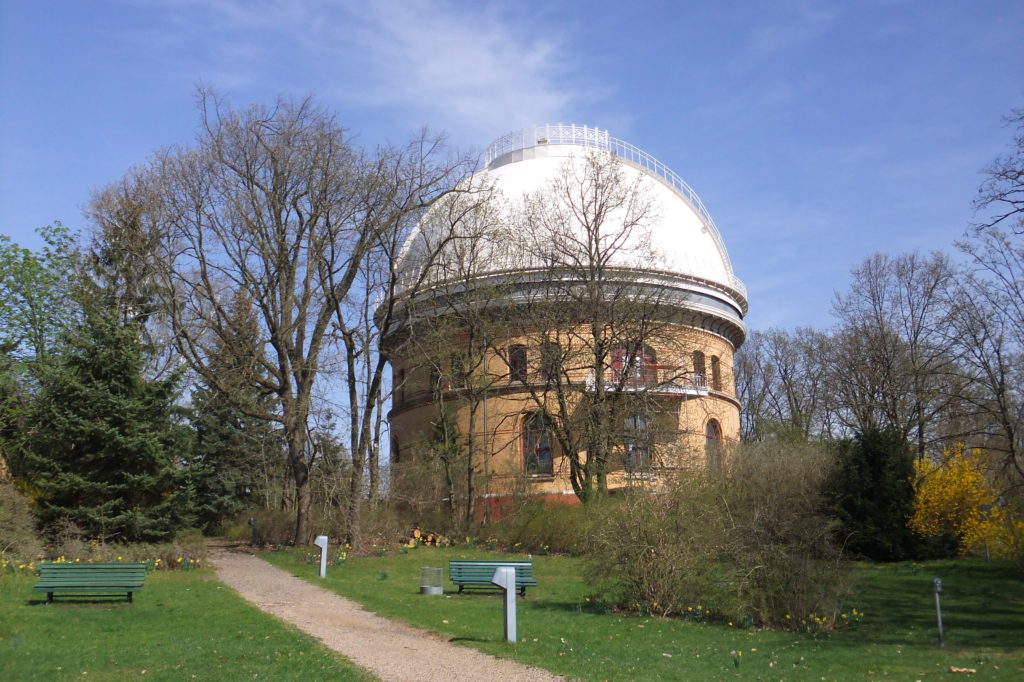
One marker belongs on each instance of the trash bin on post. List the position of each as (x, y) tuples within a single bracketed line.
[(431, 580)]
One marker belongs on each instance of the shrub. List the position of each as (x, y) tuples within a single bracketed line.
[(274, 527), (18, 537), (540, 528), (661, 553), (956, 509), (750, 547), (780, 533)]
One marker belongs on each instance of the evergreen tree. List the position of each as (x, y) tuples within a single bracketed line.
[(872, 490), (107, 444), (234, 451)]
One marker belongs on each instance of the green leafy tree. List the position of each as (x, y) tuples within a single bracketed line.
[(872, 490), (106, 444), (33, 293), (34, 289)]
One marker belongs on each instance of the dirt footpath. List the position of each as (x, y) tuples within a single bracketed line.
[(392, 651)]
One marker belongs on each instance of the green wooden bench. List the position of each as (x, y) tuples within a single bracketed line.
[(478, 573), (91, 579)]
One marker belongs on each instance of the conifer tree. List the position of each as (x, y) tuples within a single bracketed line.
[(234, 451), (872, 491), (107, 443)]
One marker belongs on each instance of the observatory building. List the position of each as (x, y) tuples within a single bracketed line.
[(566, 324)]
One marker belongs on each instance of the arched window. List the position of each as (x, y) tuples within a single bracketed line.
[(700, 373), (637, 366), (713, 446), (716, 373), (537, 456), (396, 452)]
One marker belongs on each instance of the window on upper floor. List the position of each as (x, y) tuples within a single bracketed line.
[(550, 360), (517, 363), (635, 367), (700, 373), (716, 373)]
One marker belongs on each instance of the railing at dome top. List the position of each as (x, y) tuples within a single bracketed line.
[(585, 136)]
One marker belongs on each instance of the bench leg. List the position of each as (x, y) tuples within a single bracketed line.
[(129, 597), (49, 597), (460, 588), (522, 591)]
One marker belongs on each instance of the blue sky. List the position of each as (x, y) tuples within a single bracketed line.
[(815, 132)]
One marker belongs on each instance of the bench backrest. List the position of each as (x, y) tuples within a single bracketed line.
[(117, 573), (461, 569)]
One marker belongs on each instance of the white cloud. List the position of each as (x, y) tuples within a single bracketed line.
[(467, 66), (455, 65)]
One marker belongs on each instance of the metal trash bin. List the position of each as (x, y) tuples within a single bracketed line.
[(431, 580)]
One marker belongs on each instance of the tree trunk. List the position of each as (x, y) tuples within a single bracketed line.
[(303, 496)]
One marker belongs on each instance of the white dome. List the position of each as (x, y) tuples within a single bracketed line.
[(681, 248)]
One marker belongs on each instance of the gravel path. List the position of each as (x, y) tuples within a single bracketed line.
[(392, 651)]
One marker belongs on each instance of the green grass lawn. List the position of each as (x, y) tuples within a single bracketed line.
[(182, 626), (983, 608)]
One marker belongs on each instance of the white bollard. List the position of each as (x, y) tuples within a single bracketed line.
[(505, 578), (321, 542)]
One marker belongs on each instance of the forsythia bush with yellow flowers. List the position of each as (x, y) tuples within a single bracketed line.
[(956, 499)]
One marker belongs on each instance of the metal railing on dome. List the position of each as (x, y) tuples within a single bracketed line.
[(586, 136)]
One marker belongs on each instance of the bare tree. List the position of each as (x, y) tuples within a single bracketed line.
[(1003, 188), (450, 317), (989, 304), (782, 387), (890, 364), (993, 360), (276, 203), (400, 187), (586, 233), (990, 333), (266, 202)]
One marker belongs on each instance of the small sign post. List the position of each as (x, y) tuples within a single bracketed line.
[(321, 542), (505, 578), (938, 609)]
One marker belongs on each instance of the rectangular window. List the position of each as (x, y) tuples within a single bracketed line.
[(517, 363), (716, 373), (550, 360), (537, 454), (637, 440)]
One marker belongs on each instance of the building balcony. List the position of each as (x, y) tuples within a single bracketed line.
[(655, 381)]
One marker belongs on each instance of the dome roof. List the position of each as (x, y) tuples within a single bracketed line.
[(682, 248)]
